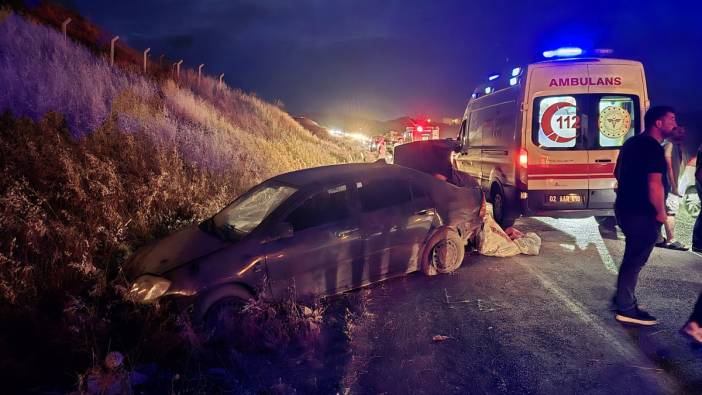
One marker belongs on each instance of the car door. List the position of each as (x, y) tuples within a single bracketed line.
[(326, 243), (386, 212)]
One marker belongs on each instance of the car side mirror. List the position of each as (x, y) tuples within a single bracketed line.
[(281, 230)]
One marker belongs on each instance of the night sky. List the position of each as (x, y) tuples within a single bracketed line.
[(384, 59)]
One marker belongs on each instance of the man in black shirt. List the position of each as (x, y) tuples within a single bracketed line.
[(640, 206)]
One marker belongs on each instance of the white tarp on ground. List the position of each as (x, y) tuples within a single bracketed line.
[(492, 240)]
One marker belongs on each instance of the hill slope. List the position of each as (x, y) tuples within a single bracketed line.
[(95, 161)]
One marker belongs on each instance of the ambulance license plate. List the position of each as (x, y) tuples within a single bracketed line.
[(570, 198)]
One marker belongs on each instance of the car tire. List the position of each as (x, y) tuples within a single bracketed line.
[(690, 204), (222, 321), (443, 253)]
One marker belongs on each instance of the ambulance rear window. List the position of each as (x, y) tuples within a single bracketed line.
[(584, 121), (615, 116), (559, 122)]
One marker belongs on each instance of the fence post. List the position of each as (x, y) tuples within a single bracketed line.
[(64, 28), (219, 86), (146, 55), (199, 73), (112, 50), (177, 64)]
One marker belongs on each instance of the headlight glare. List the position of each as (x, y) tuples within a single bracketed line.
[(147, 288)]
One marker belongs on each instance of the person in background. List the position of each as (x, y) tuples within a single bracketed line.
[(697, 230), (673, 157), (640, 206), (693, 327)]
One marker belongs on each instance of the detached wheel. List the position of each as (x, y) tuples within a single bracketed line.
[(443, 253)]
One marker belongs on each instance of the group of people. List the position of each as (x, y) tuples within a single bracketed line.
[(645, 176)]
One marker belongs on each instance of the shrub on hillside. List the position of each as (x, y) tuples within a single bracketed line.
[(95, 161)]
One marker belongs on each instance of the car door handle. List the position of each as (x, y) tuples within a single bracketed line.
[(603, 160), (345, 233)]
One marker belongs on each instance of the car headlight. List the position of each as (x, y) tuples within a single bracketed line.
[(148, 288)]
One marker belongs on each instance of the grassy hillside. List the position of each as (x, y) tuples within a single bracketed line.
[(95, 161)]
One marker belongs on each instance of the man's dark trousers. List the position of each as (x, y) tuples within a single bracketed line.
[(641, 233)]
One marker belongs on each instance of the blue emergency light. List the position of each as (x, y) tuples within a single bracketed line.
[(564, 52)]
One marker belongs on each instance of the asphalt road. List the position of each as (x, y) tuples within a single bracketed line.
[(539, 324)]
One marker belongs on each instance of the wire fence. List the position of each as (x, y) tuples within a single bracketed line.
[(76, 28)]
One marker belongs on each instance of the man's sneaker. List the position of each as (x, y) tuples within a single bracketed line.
[(635, 316)]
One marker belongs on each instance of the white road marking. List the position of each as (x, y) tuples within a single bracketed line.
[(632, 356), (586, 232)]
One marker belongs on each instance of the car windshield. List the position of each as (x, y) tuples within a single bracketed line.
[(248, 211)]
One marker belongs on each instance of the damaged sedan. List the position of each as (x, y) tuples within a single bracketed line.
[(318, 231)]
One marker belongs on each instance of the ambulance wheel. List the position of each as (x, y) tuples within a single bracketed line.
[(498, 207), (606, 221)]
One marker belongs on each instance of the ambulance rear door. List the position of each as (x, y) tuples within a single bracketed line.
[(557, 170), (616, 106)]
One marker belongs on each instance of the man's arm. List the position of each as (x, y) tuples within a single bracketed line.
[(655, 195)]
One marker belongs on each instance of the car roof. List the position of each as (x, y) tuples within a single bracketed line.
[(342, 173)]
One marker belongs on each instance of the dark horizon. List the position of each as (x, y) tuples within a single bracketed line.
[(383, 61)]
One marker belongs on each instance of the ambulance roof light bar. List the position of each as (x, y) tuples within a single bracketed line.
[(564, 52)]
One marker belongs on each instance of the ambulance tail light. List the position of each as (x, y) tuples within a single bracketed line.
[(522, 160)]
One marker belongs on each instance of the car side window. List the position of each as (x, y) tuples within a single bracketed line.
[(382, 193), (324, 207)]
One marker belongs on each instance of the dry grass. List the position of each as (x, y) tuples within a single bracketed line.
[(95, 161)]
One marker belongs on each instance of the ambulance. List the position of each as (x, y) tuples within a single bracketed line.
[(543, 139)]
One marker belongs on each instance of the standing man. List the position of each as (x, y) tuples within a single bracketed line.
[(640, 206), (693, 327), (697, 230), (673, 158)]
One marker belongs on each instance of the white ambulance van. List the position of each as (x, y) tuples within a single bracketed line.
[(543, 139)]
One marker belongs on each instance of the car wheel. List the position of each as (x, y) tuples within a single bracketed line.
[(690, 203), (222, 320), (443, 252)]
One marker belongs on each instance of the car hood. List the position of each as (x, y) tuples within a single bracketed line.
[(175, 250)]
